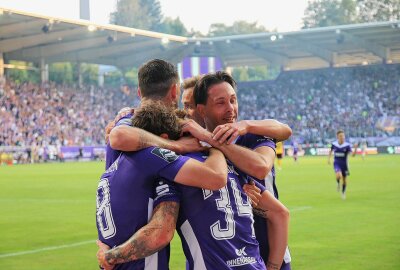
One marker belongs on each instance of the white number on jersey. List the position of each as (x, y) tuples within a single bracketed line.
[(103, 212), (224, 204)]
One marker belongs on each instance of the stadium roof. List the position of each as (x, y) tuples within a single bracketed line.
[(35, 38)]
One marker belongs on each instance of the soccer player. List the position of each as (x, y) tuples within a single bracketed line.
[(252, 162), (341, 150), (188, 101), (158, 81), (125, 194), (215, 226), (279, 154), (295, 147), (216, 101)]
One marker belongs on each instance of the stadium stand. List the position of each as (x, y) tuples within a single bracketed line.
[(316, 103)]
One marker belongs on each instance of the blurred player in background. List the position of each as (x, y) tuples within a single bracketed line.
[(296, 148), (188, 101), (341, 150), (279, 154)]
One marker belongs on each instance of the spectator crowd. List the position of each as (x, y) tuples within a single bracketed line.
[(315, 103)]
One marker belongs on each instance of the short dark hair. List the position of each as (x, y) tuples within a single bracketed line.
[(200, 92), (339, 131), (156, 77), (157, 118), (190, 82)]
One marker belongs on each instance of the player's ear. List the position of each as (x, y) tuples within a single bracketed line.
[(164, 136), (139, 93), (174, 91), (201, 110)]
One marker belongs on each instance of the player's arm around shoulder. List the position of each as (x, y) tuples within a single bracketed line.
[(148, 240), (268, 127), (211, 174)]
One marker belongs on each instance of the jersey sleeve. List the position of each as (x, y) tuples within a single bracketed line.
[(254, 141), (171, 162), (260, 186), (165, 191), (125, 121)]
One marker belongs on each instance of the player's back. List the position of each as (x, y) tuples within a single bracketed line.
[(125, 199), (216, 227), (112, 154)]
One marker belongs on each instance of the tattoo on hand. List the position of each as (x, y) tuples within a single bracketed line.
[(260, 212)]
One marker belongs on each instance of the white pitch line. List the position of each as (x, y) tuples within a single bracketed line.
[(46, 249), (300, 208)]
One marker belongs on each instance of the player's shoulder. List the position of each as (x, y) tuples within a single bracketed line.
[(250, 138), (335, 144), (125, 121), (163, 153)]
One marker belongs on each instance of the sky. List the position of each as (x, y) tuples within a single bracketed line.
[(280, 15)]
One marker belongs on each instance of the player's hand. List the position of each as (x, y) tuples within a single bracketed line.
[(227, 133), (197, 131), (122, 113), (101, 256), (253, 192), (187, 145)]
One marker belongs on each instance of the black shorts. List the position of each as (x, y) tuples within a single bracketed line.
[(279, 156)]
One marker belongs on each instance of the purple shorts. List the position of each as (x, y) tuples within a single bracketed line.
[(341, 168), (286, 266)]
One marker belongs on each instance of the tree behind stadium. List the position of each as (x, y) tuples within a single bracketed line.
[(320, 13)]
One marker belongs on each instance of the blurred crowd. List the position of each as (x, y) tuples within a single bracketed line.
[(46, 117), (316, 103)]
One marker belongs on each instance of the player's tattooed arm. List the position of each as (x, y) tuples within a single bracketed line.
[(148, 240), (127, 138)]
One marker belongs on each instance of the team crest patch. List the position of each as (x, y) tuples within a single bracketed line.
[(167, 155)]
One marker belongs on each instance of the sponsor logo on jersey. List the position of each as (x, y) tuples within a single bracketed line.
[(241, 251), (167, 155), (162, 189), (242, 259), (339, 154)]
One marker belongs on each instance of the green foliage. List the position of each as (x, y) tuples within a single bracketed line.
[(89, 73), (256, 73), (61, 73), (237, 28), (379, 10), (50, 205), (142, 14), (321, 13), (23, 75), (174, 27)]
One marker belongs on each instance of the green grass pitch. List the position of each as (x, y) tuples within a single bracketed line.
[(47, 216)]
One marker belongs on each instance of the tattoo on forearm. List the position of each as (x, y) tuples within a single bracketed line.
[(145, 140), (145, 241), (272, 266), (260, 212)]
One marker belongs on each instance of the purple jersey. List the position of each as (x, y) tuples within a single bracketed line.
[(216, 227), (125, 196), (112, 154), (340, 152)]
